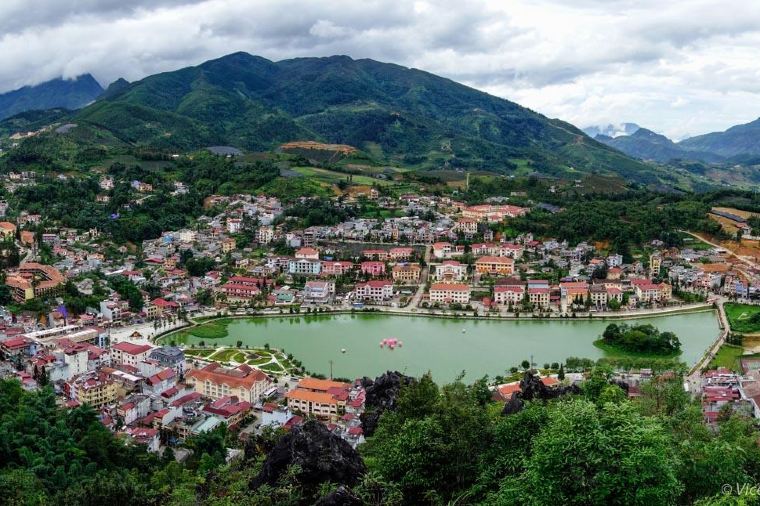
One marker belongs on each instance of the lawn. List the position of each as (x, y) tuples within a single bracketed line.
[(210, 330), (743, 318), (728, 357), (224, 355), (275, 368)]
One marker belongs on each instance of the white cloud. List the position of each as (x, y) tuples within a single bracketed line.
[(680, 67)]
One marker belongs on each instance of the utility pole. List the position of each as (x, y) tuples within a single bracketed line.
[(331, 369)]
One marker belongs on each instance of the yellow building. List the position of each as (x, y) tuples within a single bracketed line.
[(96, 391), (495, 265), (406, 273)]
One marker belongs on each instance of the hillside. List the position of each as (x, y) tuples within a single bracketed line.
[(394, 114), (58, 93), (739, 140), (648, 145)]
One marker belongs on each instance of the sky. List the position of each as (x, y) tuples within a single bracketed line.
[(679, 67)]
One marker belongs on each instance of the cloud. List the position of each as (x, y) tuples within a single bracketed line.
[(680, 67)]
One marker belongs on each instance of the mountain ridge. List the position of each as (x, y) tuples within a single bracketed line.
[(395, 114), (56, 93)]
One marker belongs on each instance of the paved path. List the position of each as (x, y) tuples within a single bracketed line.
[(694, 377), (415, 302)]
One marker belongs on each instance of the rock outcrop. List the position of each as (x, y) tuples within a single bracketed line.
[(382, 393), (532, 388), (341, 496), (321, 455)]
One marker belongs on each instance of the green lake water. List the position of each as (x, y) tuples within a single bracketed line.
[(444, 346)]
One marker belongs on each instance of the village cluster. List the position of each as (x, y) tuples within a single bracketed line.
[(433, 255)]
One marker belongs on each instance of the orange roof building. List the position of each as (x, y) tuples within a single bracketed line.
[(214, 381)]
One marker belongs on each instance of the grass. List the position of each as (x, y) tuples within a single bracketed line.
[(214, 329), (332, 177), (224, 355), (275, 368), (728, 356), (739, 317), (615, 351), (199, 353)]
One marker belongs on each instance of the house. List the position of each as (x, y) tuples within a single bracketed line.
[(406, 273), (467, 226), (574, 292), (450, 271), (492, 265), (647, 291), (336, 268), (448, 293), (215, 381), (231, 409), (146, 437), (373, 268), (376, 290), (129, 353), (307, 253), (318, 291), (95, 389)]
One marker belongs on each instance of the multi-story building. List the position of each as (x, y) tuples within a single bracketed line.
[(406, 273), (509, 291), (376, 290), (318, 291), (373, 268), (32, 280), (449, 293), (214, 381), (492, 265), (169, 356), (129, 353), (336, 268), (450, 271), (305, 267), (400, 254), (539, 296), (94, 389), (323, 399), (307, 253)]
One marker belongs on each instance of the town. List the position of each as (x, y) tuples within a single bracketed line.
[(88, 318)]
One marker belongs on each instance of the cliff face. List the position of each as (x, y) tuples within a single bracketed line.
[(321, 456), (382, 393)]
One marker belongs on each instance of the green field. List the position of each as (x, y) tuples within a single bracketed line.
[(332, 177), (728, 357), (744, 318)]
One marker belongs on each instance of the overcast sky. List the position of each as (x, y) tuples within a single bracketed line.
[(680, 67)]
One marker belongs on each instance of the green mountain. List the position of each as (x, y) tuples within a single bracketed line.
[(394, 114), (58, 93), (648, 145), (740, 140)]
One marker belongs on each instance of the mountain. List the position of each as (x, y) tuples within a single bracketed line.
[(58, 93), (648, 145), (392, 113), (611, 130), (737, 141), (115, 88)]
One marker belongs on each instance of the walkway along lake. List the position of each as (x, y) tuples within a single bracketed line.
[(443, 346)]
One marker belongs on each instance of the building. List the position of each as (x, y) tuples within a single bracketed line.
[(646, 291), (7, 229), (239, 292), (495, 266), (323, 399), (406, 273), (304, 267), (574, 292), (467, 226), (336, 268), (401, 254), (492, 213), (376, 290), (129, 353), (33, 280), (373, 268), (169, 356), (450, 271), (447, 250), (449, 293), (307, 253), (376, 254), (94, 389), (509, 291), (215, 381), (318, 291)]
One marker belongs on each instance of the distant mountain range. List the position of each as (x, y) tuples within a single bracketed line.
[(739, 144), (58, 93), (611, 130)]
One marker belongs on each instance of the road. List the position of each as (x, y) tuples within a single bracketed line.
[(415, 302), (742, 259), (694, 376)]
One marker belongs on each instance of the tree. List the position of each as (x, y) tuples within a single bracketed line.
[(584, 456), (525, 365), (561, 374)]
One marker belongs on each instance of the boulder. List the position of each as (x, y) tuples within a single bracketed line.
[(341, 496), (321, 455), (532, 388), (382, 393)]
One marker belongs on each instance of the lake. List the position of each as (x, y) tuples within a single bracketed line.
[(445, 347)]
